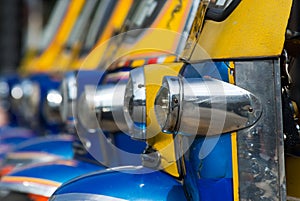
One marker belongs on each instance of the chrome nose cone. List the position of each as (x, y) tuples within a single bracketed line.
[(204, 106)]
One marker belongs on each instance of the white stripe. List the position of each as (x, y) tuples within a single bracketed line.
[(84, 197), (161, 59)]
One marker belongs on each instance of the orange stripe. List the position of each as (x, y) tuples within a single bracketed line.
[(14, 179)]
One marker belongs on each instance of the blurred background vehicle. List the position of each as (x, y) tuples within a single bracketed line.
[(49, 136)]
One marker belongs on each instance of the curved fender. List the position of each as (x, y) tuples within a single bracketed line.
[(128, 183)]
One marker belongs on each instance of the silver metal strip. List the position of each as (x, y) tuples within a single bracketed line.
[(260, 147)]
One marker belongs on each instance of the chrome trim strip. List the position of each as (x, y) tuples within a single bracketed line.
[(260, 147)]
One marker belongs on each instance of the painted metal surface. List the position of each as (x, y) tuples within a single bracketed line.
[(256, 29), (38, 149), (11, 137), (58, 145), (116, 184), (91, 53), (55, 173), (160, 143), (208, 161), (44, 61), (152, 29)]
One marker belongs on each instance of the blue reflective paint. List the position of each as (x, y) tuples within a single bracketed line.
[(211, 157), (209, 162), (56, 145), (11, 136), (133, 185), (126, 143), (140, 125), (59, 171), (215, 189)]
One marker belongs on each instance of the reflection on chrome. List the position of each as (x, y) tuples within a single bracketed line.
[(204, 106), (68, 91), (103, 108), (109, 102), (135, 104), (30, 98), (17, 92), (51, 108)]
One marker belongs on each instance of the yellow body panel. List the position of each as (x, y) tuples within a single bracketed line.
[(161, 142), (162, 36), (254, 29), (235, 165), (66, 57), (293, 176), (46, 60), (92, 60)]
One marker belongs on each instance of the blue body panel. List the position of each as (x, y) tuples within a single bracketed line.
[(209, 162), (59, 171), (55, 145), (10, 137), (15, 135), (133, 184)]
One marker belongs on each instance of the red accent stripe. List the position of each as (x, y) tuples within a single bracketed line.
[(152, 61), (127, 63)]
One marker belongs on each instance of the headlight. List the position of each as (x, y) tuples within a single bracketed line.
[(103, 108), (51, 107), (219, 10), (109, 102), (135, 104), (30, 98), (204, 106), (86, 109), (16, 96)]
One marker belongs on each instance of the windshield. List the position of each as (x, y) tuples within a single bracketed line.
[(83, 22), (101, 16), (54, 21), (142, 15)]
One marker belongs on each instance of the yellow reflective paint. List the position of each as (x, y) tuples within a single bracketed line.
[(138, 62), (292, 176), (45, 61), (162, 37), (92, 60), (162, 142), (254, 29), (234, 153)]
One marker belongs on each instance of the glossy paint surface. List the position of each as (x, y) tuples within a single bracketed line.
[(143, 186), (59, 171)]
